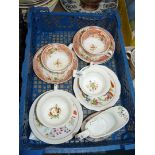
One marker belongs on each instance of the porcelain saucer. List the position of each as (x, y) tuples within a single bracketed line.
[(61, 134), (87, 57), (47, 3), (51, 77), (104, 101)]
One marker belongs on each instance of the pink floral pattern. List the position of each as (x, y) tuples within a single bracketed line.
[(61, 131)]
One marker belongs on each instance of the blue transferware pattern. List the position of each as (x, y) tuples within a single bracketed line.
[(74, 6)]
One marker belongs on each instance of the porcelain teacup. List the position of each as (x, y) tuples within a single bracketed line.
[(94, 81), (56, 57), (54, 109), (95, 41)]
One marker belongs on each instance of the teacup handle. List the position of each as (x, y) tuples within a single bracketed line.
[(76, 73), (70, 46), (55, 86), (83, 135)]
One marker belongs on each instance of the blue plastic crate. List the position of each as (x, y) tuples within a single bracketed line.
[(49, 27)]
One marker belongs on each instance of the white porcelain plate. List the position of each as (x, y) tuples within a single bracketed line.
[(61, 134), (104, 101), (52, 77)]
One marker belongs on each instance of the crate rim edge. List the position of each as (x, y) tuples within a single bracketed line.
[(24, 85)]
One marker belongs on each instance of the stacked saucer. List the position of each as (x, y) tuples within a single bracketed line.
[(55, 117), (25, 4), (30, 2), (93, 44), (97, 87), (54, 63)]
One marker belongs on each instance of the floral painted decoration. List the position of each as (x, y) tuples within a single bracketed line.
[(54, 112), (57, 63), (92, 47), (52, 50), (102, 99), (92, 86), (122, 113)]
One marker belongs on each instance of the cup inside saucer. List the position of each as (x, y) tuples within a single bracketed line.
[(95, 41), (54, 110), (94, 81), (56, 57)]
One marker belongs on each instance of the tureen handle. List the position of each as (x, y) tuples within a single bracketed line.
[(83, 135)]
